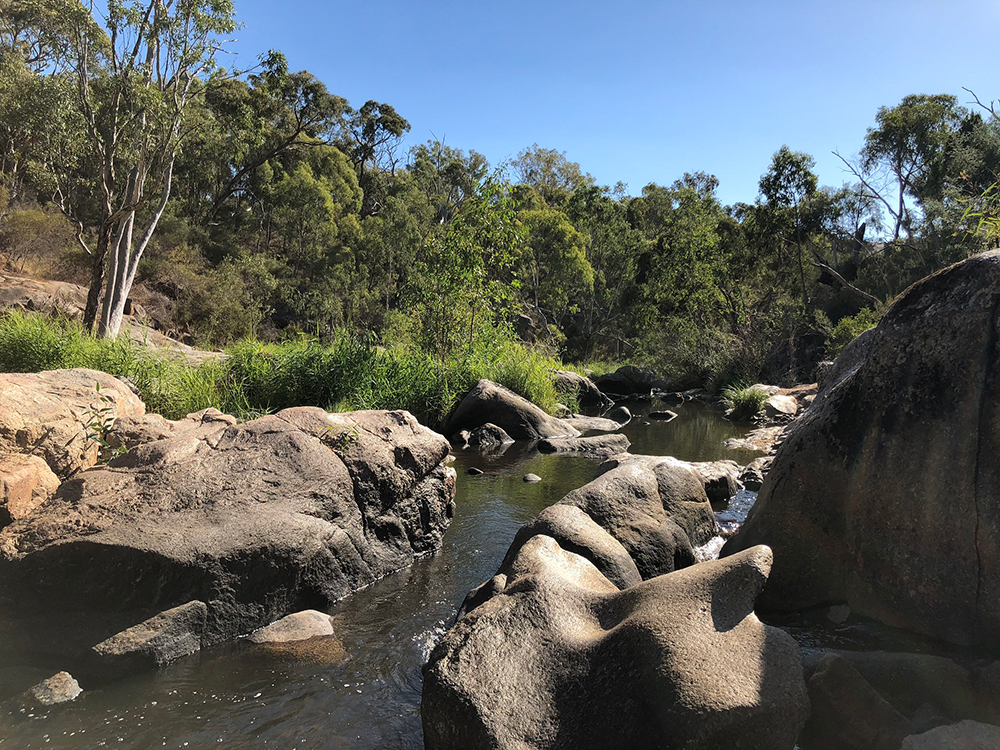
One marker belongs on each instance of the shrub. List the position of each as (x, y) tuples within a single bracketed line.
[(743, 402), (849, 328)]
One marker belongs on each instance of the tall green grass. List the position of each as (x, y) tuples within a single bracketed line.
[(351, 372), (743, 402)]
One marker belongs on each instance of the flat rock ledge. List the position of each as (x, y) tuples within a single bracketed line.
[(591, 635), (215, 529)]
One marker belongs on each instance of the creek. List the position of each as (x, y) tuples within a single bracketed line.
[(363, 690)]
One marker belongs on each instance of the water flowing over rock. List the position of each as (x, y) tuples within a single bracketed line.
[(518, 417), (886, 492), (256, 520), (55, 414)]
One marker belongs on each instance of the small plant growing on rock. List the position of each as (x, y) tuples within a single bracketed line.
[(101, 418), (342, 438), (743, 402)]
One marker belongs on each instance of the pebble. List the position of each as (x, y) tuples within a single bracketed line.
[(473, 471), (532, 478)]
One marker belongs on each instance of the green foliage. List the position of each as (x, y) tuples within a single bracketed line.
[(849, 328), (743, 402)]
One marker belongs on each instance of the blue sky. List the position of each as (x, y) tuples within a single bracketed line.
[(638, 91)]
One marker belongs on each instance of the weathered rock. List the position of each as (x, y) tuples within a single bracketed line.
[(966, 735), (987, 687), (532, 478), (25, 483), (754, 472), (159, 640), (627, 381), (488, 436), (677, 485), (521, 419), (130, 431), (299, 626), (59, 688), (50, 414), (763, 439), (587, 424), (558, 657), (889, 479), (720, 479), (657, 511), (587, 394), (619, 414), (256, 520), (577, 532), (781, 407), (847, 713), (598, 446)]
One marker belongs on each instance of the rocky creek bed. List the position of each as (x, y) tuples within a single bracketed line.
[(596, 615)]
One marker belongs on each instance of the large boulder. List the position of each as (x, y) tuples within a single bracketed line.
[(886, 492), (488, 402), (587, 394), (657, 511), (556, 656), (627, 381), (59, 414), (287, 512)]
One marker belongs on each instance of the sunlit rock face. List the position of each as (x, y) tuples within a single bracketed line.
[(886, 493), (599, 632), (559, 657), (256, 520)]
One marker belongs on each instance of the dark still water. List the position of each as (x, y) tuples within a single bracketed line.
[(363, 689)]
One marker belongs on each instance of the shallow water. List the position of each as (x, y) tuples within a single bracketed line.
[(362, 691)]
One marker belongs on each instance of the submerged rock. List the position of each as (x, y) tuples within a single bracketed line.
[(518, 417), (556, 656), (890, 479), (255, 520)]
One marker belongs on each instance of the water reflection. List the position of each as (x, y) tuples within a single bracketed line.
[(366, 692)]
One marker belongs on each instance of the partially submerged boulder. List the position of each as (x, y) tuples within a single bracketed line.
[(255, 520), (25, 483), (57, 415), (59, 688), (159, 640), (886, 493), (597, 446), (292, 628), (488, 402), (556, 656)]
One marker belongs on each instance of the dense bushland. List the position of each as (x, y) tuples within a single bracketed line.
[(349, 372), (264, 206)]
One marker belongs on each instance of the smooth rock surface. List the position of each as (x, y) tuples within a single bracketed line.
[(255, 520), (47, 414), (890, 479), (299, 626), (558, 657), (488, 402)]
